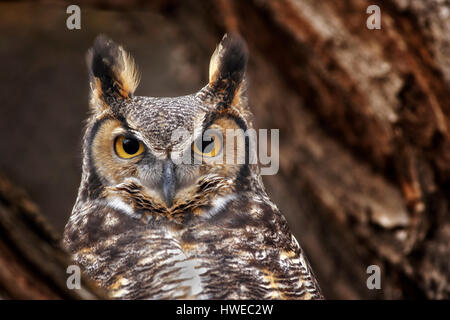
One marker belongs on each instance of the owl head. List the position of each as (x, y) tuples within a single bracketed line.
[(166, 157)]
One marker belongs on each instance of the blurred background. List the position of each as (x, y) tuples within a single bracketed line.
[(363, 117)]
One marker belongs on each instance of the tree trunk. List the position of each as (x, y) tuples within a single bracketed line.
[(364, 120), (365, 153), (364, 132), (32, 263)]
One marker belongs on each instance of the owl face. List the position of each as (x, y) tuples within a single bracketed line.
[(165, 156), (171, 203)]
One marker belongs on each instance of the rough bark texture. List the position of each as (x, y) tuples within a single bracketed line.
[(32, 262), (368, 141), (363, 114)]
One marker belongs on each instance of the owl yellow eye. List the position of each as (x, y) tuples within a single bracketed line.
[(127, 148), (209, 146)]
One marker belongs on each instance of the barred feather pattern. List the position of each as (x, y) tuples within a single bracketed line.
[(246, 251), (220, 236)]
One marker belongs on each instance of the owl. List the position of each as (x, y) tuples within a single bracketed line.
[(157, 215)]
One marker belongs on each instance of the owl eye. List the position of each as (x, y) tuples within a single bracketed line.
[(210, 145), (127, 148)]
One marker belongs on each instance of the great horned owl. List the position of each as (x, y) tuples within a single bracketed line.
[(145, 225)]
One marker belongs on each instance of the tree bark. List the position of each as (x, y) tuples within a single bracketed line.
[(365, 148), (32, 263), (364, 121)]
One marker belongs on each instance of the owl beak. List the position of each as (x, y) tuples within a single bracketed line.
[(169, 182)]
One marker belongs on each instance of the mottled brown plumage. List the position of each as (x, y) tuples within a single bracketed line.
[(148, 226)]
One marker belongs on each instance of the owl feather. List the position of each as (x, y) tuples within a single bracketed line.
[(147, 226)]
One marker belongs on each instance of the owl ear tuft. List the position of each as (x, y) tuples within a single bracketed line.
[(227, 67), (113, 73)]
